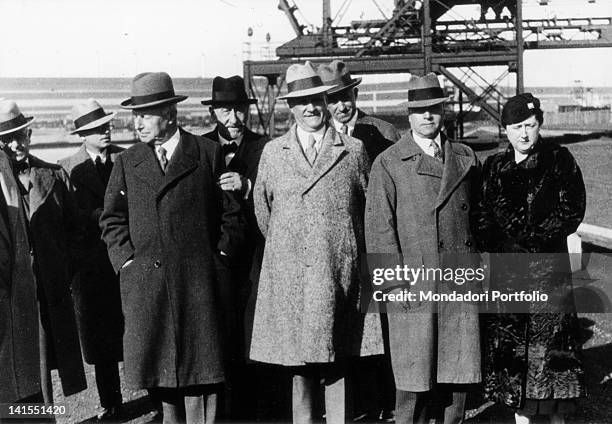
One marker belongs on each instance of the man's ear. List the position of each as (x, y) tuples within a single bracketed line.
[(356, 91), (213, 117)]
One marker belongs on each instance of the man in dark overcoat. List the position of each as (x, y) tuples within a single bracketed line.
[(164, 221), (48, 216), (241, 148), (19, 350), (371, 376), (95, 287), (417, 207), (376, 134)]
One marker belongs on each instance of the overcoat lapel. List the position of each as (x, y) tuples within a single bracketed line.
[(183, 161), (456, 168), (42, 185), (331, 151), (147, 166), (85, 173), (410, 150), (295, 155)]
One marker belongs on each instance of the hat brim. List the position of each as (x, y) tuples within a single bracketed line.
[(211, 102), (127, 104), (307, 92), (339, 88), (428, 102), (29, 120), (95, 124)]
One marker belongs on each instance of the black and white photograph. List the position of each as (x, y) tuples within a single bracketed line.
[(306, 211)]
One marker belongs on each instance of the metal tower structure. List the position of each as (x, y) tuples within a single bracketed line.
[(416, 40)]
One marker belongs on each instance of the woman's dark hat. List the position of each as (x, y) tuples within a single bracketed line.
[(89, 115), (337, 73), (11, 118), (519, 108), (229, 91), (425, 91), (151, 89)]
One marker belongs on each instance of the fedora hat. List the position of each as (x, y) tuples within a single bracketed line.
[(425, 91), (11, 118), (228, 90), (89, 115), (337, 73), (151, 89), (302, 81)]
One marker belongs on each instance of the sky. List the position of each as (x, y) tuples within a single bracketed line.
[(191, 38)]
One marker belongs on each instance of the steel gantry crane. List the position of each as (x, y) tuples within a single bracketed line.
[(418, 39)]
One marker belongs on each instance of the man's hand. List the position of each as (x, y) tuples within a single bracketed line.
[(233, 181)]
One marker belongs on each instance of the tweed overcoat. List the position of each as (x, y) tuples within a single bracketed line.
[(51, 217), (19, 350), (307, 308), (523, 217), (418, 208), (95, 286), (377, 135), (172, 225)]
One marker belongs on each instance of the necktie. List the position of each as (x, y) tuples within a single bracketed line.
[(437, 152), (344, 129), (163, 160), (21, 170), (229, 148), (311, 151)]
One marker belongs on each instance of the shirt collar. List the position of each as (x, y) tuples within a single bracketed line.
[(425, 143), (223, 140), (303, 135), (171, 143), (93, 155), (350, 124)]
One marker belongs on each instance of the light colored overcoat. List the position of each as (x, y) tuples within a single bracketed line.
[(418, 207), (307, 308)]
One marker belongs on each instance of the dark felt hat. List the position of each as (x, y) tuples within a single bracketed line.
[(151, 89), (425, 91), (337, 73), (519, 108), (229, 91)]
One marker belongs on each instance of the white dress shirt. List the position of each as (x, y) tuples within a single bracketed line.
[(425, 143), (223, 141), (93, 156), (303, 136), (169, 145), (350, 125)]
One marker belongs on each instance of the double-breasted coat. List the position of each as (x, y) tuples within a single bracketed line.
[(524, 214), (307, 308), (52, 214), (19, 349), (171, 225), (377, 135), (95, 286), (417, 209)]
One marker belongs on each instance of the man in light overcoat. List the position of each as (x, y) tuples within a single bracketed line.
[(164, 220), (309, 202), (95, 286), (417, 207)]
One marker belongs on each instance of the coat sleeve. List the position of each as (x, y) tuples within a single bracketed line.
[(567, 216), (262, 195), (73, 219), (233, 224), (5, 245), (380, 217), (114, 220)]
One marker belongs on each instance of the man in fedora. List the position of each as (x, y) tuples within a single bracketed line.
[(45, 209), (95, 286), (241, 147), (375, 133), (164, 221), (309, 201), (372, 377), (418, 204)]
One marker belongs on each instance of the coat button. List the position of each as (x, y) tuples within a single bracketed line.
[(31, 252), (468, 243), (441, 244), (464, 207), (157, 264), (414, 158)]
